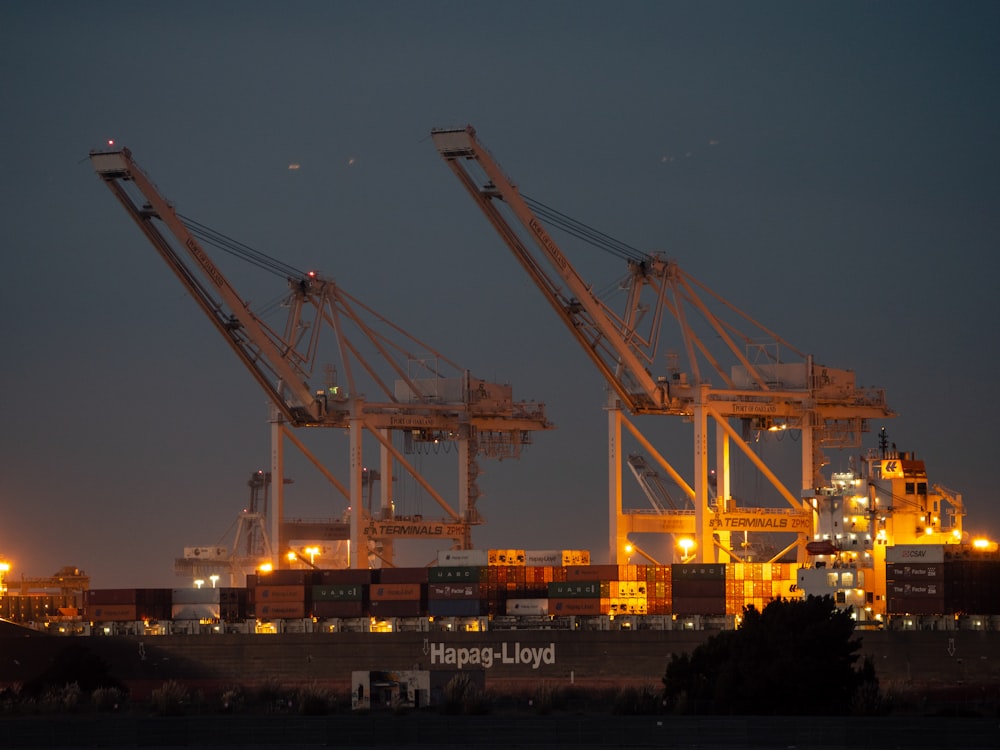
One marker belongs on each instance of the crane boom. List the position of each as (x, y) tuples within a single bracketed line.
[(243, 330), (605, 339)]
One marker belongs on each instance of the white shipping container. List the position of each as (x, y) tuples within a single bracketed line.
[(203, 595), (527, 607), (541, 558), (466, 558)]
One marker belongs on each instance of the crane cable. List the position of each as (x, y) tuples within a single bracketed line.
[(240, 250), (585, 232)]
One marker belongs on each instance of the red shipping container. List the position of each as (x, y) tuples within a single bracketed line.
[(400, 575)]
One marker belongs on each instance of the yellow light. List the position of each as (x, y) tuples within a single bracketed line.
[(685, 543), (984, 544), (266, 568), (291, 556), (628, 549)]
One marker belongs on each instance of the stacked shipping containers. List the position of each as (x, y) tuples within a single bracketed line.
[(756, 584), (914, 580), (279, 594), (127, 605), (698, 589)]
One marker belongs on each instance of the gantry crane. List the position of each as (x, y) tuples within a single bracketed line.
[(761, 379), (431, 399)]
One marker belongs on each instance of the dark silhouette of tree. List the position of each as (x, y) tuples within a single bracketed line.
[(794, 658)]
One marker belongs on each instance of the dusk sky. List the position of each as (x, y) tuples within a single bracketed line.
[(831, 168)]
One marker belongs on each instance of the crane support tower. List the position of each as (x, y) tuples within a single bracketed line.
[(425, 396), (724, 375)]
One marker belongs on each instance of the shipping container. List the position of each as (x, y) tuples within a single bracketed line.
[(469, 558), (110, 596), (914, 571), (627, 589), (915, 589), (195, 596), (699, 588), (527, 607), (384, 592), (578, 590), (453, 591), (280, 577), (578, 607), (915, 553), (575, 557), (265, 594), (458, 573), (401, 575), (627, 606), (698, 571), (502, 557), (111, 613), (338, 592), (550, 557), (280, 610), (328, 577)]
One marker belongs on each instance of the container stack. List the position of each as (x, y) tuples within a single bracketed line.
[(279, 595), (699, 589), (127, 605), (398, 592), (757, 584)]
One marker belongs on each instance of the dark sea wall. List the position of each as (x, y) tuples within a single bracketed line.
[(556, 656)]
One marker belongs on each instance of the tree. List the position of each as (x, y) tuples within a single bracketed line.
[(795, 657)]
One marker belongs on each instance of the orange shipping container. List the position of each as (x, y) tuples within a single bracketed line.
[(395, 592), (264, 594), (111, 613), (281, 610)]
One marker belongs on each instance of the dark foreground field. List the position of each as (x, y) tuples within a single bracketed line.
[(509, 732)]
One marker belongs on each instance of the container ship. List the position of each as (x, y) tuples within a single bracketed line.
[(878, 538), (504, 625)]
